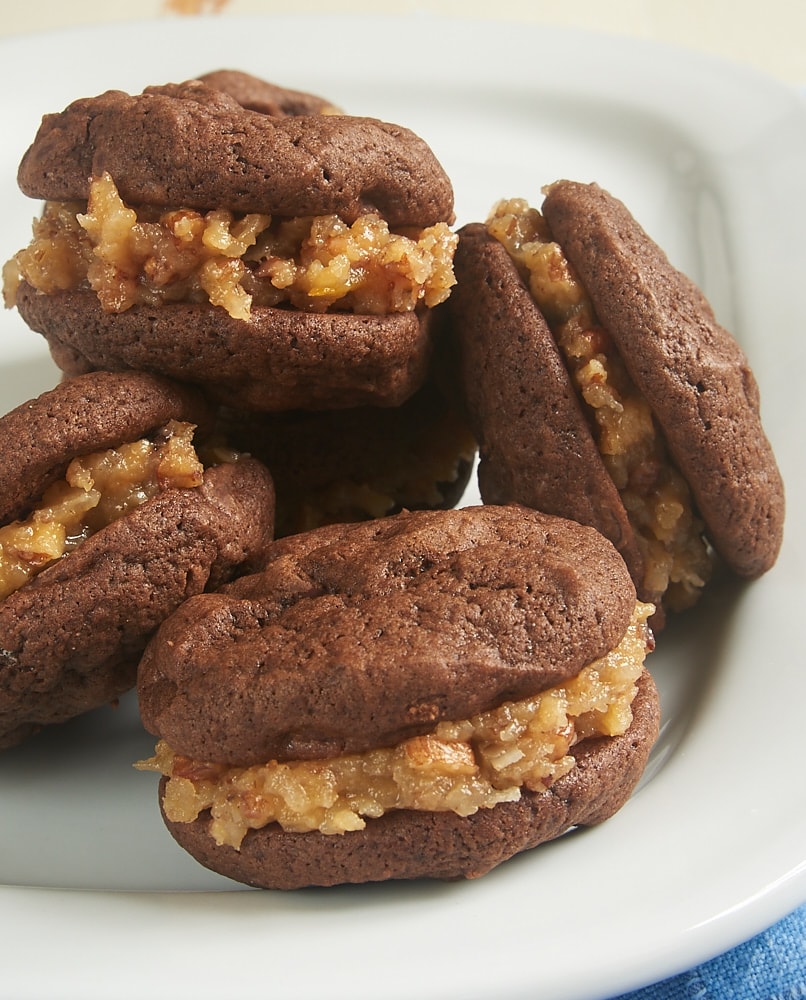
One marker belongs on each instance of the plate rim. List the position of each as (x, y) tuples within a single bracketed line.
[(777, 892)]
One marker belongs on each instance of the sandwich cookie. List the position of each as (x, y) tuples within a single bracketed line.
[(279, 261), (359, 463), (422, 695), (111, 515), (601, 387)]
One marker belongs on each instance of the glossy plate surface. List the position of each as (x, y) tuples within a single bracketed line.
[(95, 898)]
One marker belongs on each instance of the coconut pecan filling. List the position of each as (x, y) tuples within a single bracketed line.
[(677, 557), (95, 491), (460, 767), (143, 255)]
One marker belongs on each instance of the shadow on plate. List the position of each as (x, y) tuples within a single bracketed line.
[(688, 659)]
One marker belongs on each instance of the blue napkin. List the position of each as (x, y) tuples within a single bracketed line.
[(771, 966)]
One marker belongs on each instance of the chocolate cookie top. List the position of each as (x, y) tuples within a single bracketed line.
[(356, 636), (535, 443), (38, 439), (407, 844), (278, 359), (196, 147), (268, 98), (690, 369)]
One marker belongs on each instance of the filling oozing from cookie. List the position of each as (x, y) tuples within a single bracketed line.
[(96, 490), (677, 557), (460, 767), (130, 256)]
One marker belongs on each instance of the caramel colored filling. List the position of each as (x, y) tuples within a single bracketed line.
[(148, 256), (95, 491), (459, 767), (677, 558)]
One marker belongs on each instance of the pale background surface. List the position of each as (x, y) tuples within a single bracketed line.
[(769, 36)]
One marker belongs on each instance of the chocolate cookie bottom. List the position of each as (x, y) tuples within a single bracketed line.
[(407, 844), (280, 359)]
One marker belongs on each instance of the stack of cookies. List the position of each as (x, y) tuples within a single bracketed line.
[(280, 360), (283, 258)]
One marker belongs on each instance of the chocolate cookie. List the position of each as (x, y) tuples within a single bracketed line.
[(349, 601), (199, 148), (535, 442), (117, 522), (601, 387), (367, 665), (278, 360), (268, 98), (694, 373), (358, 463), (282, 261)]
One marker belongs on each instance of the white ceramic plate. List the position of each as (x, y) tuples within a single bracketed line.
[(96, 900)]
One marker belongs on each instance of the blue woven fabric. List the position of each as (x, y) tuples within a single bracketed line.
[(771, 966)]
